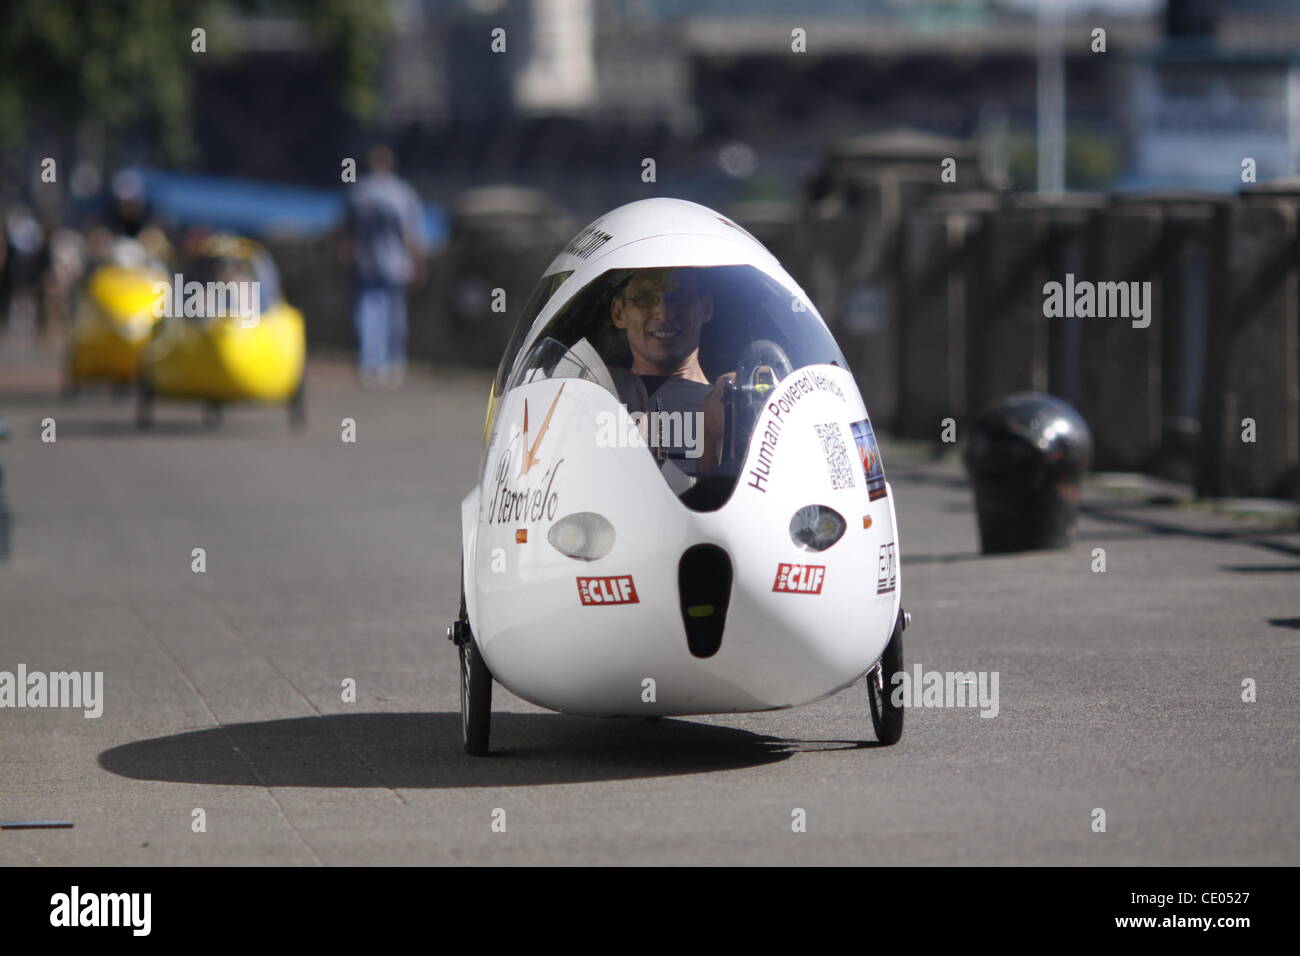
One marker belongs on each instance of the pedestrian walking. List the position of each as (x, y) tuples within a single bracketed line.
[(383, 239)]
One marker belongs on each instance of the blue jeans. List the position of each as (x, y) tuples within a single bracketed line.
[(380, 317)]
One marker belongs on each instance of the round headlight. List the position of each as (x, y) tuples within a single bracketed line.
[(816, 527), (584, 536)]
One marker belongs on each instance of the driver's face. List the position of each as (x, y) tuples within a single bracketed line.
[(663, 313)]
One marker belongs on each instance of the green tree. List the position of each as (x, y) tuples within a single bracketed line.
[(121, 63), (115, 63), (354, 31)]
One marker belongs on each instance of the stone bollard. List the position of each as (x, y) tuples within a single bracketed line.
[(1025, 457)]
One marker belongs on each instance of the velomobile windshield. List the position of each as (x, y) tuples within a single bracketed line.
[(690, 352), (226, 259)]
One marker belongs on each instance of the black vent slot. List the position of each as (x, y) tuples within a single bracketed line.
[(704, 583)]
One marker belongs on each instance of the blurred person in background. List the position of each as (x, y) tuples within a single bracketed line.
[(383, 240), (25, 258), (67, 261), (137, 235), (129, 211)]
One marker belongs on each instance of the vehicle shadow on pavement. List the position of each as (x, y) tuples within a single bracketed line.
[(424, 751)]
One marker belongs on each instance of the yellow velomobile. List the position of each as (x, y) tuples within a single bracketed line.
[(227, 335), (114, 319)]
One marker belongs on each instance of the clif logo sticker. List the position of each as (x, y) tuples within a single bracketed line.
[(800, 578), (615, 590)]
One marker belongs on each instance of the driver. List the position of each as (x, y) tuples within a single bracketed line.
[(663, 312)]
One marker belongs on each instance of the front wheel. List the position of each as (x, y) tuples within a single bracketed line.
[(887, 716), (475, 697)]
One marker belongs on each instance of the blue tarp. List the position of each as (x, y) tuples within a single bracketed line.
[(258, 209)]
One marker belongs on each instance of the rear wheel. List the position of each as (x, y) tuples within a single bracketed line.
[(887, 716)]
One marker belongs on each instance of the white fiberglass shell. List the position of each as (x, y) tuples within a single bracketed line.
[(607, 633)]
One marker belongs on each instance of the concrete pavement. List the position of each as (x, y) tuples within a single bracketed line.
[(328, 561)]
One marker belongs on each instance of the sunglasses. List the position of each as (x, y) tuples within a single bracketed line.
[(648, 300)]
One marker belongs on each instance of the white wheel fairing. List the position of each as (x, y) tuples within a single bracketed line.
[(779, 648)]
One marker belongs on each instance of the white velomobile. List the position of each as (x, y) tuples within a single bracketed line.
[(681, 507)]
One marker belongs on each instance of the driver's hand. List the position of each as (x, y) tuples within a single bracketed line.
[(715, 419)]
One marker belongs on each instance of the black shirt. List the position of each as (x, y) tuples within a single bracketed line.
[(679, 437)]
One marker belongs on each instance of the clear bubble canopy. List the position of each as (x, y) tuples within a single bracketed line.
[(691, 352)]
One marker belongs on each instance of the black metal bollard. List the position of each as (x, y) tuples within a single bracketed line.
[(1025, 457)]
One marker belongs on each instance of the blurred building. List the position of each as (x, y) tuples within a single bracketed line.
[(585, 90), (1223, 87)]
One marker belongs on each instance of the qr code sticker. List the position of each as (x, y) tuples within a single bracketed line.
[(837, 456)]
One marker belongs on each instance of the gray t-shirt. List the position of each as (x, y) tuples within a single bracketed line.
[(382, 211)]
